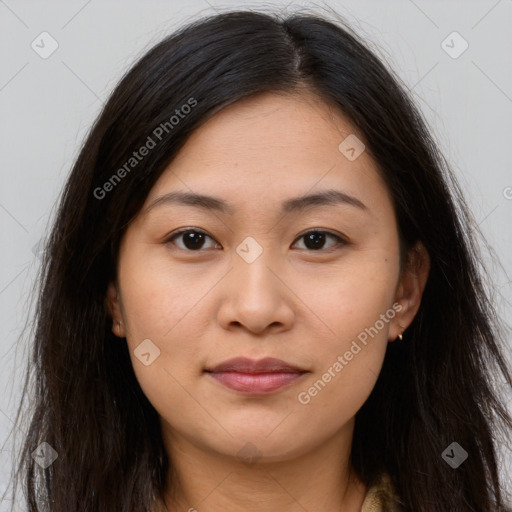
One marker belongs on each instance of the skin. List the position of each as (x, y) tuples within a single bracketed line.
[(305, 306)]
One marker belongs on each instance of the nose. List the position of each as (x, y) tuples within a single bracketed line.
[(257, 297)]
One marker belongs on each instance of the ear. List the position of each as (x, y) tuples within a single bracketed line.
[(114, 309), (410, 289)]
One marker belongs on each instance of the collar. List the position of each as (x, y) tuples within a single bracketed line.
[(381, 497)]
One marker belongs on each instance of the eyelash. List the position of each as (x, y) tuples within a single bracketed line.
[(341, 241)]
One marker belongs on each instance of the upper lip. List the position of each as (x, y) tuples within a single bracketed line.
[(246, 365)]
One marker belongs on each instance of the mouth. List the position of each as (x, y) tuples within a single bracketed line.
[(256, 377)]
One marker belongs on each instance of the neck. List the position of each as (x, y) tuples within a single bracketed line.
[(319, 479)]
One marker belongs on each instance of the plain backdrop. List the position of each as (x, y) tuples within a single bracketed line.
[(48, 102)]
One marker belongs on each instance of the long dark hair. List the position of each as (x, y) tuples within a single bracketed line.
[(435, 388)]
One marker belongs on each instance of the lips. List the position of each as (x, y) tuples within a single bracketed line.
[(255, 377), (265, 365)]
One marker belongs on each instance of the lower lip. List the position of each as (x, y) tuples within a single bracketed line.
[(255, 383)]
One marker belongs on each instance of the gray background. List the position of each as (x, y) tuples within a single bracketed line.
[(47, 105)]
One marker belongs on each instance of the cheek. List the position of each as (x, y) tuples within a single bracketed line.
[(355, 309), (346, 370), (162, 314), (349, 297), (159, 295)]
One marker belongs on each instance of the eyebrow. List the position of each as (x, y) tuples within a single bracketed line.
[(296, 204)]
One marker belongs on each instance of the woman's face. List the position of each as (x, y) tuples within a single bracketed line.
[(259, 284)]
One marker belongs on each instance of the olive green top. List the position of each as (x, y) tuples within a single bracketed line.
[(381, 497)]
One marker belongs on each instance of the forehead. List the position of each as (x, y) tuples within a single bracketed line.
[(269, 147)]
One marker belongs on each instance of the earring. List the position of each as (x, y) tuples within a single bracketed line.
[(400, 337)]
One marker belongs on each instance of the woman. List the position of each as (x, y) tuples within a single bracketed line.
[(261, 292)]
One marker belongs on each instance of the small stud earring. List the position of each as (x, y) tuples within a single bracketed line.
[(400, 337)]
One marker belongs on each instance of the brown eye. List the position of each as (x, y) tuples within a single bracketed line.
[(315, 240), (192, 239)]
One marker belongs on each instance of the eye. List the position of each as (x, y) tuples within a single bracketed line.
[(194, 239), (315, 239)]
